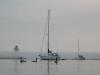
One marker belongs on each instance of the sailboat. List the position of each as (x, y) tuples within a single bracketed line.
[(80, 57), (50, 55)]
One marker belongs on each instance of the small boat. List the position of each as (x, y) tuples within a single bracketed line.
[(80, 57), (34, 60), (22, 60), (50, 56)]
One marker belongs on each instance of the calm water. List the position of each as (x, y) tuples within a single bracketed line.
[(68, 67)]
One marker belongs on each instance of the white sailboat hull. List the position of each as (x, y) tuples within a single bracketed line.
[(49, 57)]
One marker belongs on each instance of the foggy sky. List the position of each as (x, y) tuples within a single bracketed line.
[(22, 22)]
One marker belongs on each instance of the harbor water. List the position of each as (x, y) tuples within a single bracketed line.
[(63, 67)]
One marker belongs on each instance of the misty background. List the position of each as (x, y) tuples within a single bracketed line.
[(22, 23)]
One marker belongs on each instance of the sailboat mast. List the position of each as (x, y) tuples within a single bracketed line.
[(48, 27), (78, 47)]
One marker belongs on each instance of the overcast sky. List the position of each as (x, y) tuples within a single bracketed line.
[(22, 22)]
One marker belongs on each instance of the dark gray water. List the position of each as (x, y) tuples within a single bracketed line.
[(68, 67)]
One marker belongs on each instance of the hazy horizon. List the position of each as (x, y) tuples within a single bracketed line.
[(22, 23), (63, 55)]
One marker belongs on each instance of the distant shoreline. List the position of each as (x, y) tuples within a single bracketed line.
[(27, 58)]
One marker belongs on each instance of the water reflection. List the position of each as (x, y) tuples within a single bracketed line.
[(78, 67), (16, 67), (48, 67), (69, 67)]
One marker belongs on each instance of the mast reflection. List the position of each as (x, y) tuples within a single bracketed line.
[(16, 67), (48, 67)]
